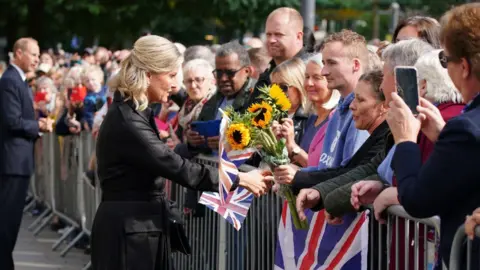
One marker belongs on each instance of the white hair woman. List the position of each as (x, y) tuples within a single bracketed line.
[(200, 85), (46, 97), (434, 82), (133, 226)]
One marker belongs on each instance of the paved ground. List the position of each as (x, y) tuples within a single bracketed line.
[(36, 253)]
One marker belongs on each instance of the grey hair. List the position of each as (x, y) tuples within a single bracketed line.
[(234, 47), (405, 52), (440, 87), (198, 64), (316, 59), (199, 52), (47, 81)]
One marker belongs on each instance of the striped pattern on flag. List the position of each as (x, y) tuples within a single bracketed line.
[(323, 246), (232, 206)]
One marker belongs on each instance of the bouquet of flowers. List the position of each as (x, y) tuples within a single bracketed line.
[(254, 129)]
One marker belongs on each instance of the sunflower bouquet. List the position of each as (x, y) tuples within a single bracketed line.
[(254, 129)]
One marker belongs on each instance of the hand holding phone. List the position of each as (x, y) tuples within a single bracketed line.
[(406, 80)]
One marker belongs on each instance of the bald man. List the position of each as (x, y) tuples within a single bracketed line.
[(284, 31), (18, 132)]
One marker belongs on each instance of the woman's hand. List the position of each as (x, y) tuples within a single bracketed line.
[(212, 142), (256, 182), (386, 198), (288, 132), (431, 118), (307, 198), (284, 174), (365, 192), (403, 124), (163, 134), (277, 129), (471, 223), (194, 138), (74, 126)]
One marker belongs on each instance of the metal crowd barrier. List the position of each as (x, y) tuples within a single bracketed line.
[(414, 240), (461, 253), (62, 186)]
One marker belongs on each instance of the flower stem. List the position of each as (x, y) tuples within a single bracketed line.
[(299, 225)]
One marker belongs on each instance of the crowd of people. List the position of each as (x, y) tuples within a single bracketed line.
[(352, 140)]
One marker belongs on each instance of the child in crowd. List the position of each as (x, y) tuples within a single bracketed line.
[(96, 94)]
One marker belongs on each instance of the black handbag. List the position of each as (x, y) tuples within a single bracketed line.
[(178, 238)]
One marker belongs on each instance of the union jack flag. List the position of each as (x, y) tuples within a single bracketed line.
[(232, 206), (323, 246)]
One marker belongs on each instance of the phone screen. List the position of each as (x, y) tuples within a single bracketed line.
[(407, 86)]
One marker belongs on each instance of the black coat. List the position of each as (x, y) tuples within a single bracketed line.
[(18, 127), (132, 228)]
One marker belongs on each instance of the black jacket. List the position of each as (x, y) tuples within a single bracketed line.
[(18, 127), (322, 180), (134, 216)]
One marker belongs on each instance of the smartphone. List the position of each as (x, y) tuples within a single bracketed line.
[(407, 86)]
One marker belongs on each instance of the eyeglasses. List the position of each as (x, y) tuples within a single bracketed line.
[(197, 80), (284, 87), (218, 73), (444, 59)]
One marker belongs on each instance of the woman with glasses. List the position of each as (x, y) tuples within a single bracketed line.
[(290, 75), (435, 86), (447, 183), (200, 85)]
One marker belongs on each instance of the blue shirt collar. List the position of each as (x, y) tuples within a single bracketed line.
[(344, 103)]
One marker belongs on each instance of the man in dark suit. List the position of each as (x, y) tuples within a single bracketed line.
[(18, 131)]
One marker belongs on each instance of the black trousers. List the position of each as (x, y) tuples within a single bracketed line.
[(13, 190)]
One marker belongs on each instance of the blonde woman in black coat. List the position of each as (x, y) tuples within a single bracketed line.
[(135, 227)]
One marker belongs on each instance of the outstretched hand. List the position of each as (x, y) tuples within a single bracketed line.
[(307, 198), (365, 192), (256, 181)]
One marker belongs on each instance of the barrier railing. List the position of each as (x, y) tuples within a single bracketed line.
[(414, 240), (461, 253), (61, 185)]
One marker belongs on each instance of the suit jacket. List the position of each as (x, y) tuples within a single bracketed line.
[(447, 184), (18, 127)]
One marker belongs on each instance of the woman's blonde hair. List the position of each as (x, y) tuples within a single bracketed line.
[(151, 53), (292, 72)]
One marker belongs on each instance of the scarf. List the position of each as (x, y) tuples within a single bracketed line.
[(191, 110)]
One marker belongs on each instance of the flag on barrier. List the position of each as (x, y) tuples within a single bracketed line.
[(323, 246), (231, 205)]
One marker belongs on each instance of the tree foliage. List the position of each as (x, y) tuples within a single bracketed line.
[(116, 23)]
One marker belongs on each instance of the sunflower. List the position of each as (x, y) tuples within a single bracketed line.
[(263, 113), (280, 98), (238, 136)]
